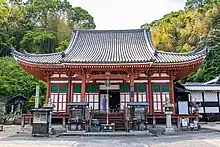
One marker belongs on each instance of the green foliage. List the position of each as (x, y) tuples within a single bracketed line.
[(181, 31), (39, 41), (62, 45), (50, 23), (11, 25), (211, 68), (194, 3), (39, 26), (195, 28), (31, 102), (15, 81), (80, 18)]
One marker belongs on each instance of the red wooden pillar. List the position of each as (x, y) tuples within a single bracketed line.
[(48, 88), (69, 94), (171, 91), (132, 87), (150, 93), (83, 88), (69, 88)]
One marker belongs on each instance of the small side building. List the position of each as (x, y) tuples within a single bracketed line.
[(207, 94)]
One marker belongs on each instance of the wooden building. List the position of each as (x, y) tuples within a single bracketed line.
[(207, 94), (136, 70)]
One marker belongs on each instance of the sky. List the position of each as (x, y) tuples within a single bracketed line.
[(127, 14)]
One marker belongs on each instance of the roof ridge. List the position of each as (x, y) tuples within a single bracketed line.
[(13, 51), (203, 85), (148, 39), (48, 54), (111, 30), (187, 53)]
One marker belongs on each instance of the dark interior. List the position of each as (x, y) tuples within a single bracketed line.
[(114, 99)]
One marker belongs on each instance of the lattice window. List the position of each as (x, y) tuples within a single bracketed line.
[(160, 93), (124, 99), (59, 97), (93, 99), (157, 102), (142, 97)]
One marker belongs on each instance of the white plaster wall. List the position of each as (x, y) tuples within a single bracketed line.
[(210, 97), (211, 109), (196, 96)]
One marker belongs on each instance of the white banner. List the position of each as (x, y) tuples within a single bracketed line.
[(103, 102)]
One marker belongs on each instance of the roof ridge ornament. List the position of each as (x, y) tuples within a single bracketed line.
[(155, 53), (63, 54)]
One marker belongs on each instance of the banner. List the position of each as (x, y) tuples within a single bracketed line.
[(103, 102)]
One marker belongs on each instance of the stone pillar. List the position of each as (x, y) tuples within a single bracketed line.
[(12, 109), (178, 122), (64, 122), (19, 109), (154, 122), (169, 128), (132, 87), (37, 96), (22, 121), (168, 120)]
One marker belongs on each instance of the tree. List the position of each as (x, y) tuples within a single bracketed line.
[(11, 22), (50, 23), (80, 19), (37, 26), (181, 31), (62, 46), (211, 68), (15, 81), (194, 3), (39, 41)]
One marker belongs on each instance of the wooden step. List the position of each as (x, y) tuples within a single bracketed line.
[(117, 118)]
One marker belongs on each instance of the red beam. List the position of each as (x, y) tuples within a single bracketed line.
[(101, 77)]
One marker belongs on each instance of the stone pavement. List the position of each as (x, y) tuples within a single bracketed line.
[(24, 139), (193, 140), (9, 130)]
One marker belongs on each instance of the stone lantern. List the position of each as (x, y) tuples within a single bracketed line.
[(168, 112)]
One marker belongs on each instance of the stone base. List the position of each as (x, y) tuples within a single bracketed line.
[(52, 131), (169, 131)]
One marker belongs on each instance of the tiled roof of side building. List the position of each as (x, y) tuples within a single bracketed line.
[(202, 87), (109, 46)]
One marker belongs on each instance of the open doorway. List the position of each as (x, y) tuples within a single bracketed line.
[(114, 100)]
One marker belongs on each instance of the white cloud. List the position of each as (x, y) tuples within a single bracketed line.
[(127, 14)]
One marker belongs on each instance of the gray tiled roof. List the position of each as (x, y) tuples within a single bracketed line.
[(213, 81), (202, 87), (109, 46)]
